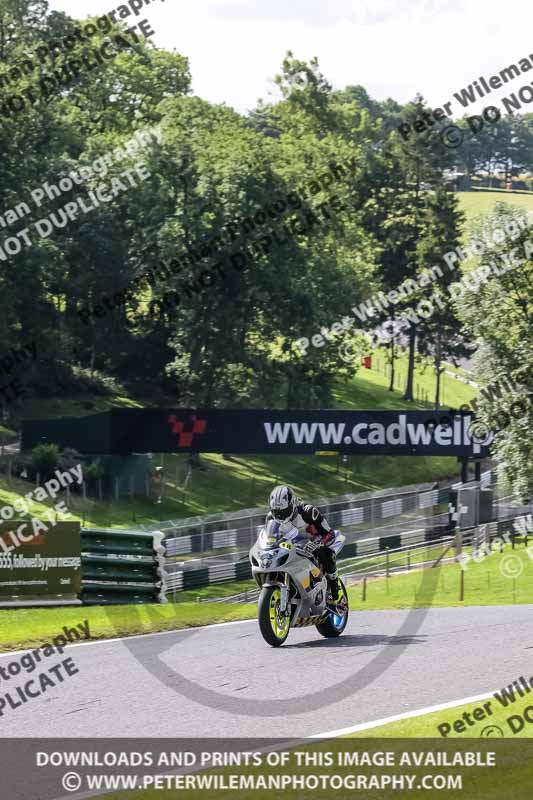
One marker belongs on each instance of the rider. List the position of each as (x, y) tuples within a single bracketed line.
[(286, 507)]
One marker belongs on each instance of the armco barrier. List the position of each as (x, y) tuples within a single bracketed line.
[(121, 567), (234, 567), (361, 515)]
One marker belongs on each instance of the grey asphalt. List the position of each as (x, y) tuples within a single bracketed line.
[(387, 662)]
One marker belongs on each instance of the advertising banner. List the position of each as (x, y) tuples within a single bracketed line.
[(160, 430), (38, 561)]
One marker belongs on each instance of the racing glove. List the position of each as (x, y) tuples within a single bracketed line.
[(311, 546)]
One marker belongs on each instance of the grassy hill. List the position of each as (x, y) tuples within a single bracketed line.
[(482, 201)]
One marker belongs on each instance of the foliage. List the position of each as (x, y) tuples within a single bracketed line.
[(45, 460), (498, 317)]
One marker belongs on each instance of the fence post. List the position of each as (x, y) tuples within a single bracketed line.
[(408, 559), (387, 559), (462, 586), (364, 589), (458, 543)]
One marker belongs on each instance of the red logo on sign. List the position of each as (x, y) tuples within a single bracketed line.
[(187, 430)]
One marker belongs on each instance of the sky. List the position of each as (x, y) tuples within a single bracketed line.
[(394, 48)]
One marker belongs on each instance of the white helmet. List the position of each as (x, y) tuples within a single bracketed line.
[(282, 503)]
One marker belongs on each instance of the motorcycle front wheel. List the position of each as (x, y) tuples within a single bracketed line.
[(274, 625)]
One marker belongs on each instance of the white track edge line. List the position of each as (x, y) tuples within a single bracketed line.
[(364, 726), (135, 636)]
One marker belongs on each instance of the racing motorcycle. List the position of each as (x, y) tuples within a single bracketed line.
[(294, 590)]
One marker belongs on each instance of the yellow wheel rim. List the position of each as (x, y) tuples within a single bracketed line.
[(280, 623)]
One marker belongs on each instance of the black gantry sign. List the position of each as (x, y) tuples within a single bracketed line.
[(160, 430)]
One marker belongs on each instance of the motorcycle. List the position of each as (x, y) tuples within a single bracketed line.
[(294, 589)]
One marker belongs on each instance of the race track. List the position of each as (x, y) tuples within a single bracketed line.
[(387, 662)]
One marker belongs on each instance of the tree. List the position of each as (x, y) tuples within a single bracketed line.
[(498, 316), (439, 330)]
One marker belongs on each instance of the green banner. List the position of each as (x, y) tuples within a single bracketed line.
[(39, 561)]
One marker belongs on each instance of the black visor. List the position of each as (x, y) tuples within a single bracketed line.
[(281, 513)]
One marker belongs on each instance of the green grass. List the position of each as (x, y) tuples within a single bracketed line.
[(482, 201), (484, 583), (245, 482), (50, 407), (31, 627), (369, 389), (215, 591), (7, 435)]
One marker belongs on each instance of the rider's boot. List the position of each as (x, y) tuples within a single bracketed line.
[(333, 584)]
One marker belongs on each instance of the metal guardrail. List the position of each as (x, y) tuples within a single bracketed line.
[(377, 511), (212, 554)]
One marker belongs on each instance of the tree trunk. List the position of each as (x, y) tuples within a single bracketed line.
[(411, 365), (392, 358), (438, 370)]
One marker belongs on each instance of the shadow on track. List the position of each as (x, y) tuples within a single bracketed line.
[(360, 641)]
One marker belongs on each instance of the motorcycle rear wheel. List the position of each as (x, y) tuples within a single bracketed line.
[(334, 624), (273, 625)]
